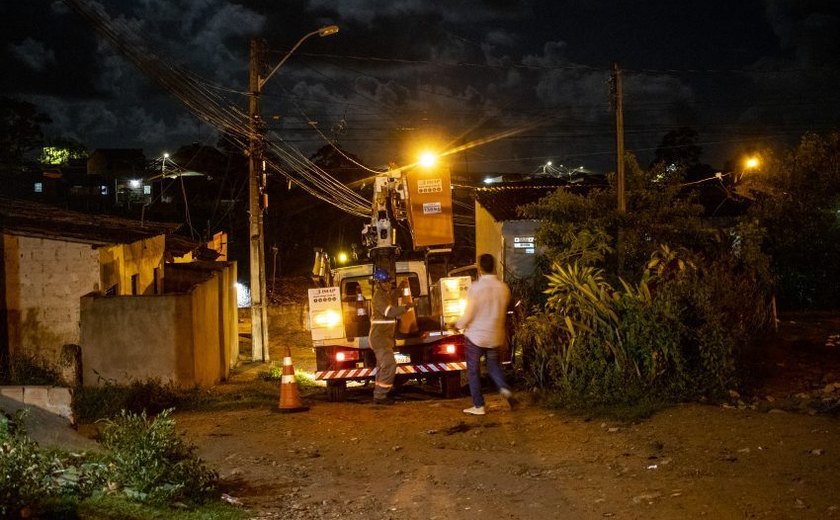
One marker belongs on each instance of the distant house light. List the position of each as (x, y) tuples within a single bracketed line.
[(135, 183), (103, 190), (147, 190), (39, 187)]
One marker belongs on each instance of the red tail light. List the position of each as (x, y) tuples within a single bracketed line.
[(346, 355)]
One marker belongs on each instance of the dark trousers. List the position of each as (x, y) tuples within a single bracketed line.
[(494, 370)]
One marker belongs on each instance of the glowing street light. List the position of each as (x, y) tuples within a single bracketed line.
[(428, 159), (751, 163)]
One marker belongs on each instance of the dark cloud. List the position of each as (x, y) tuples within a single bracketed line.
[(402, 70)]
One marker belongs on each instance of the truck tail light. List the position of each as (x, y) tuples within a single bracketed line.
[(346, 355), (446, 349)]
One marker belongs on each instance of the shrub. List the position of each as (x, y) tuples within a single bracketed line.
[(28, 369), (147, 462), (678, 333), (108, 400), (151, 463)]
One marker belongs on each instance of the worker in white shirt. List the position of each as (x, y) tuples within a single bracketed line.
[(483, 323)]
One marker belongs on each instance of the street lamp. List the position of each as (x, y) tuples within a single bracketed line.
[(750, 163), (256, 192)]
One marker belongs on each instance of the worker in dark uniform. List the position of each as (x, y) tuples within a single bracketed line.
[(384, 313)]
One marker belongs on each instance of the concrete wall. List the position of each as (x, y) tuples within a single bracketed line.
[(191, 278), (187, 337), (43, 280), (143, 258), (488, 235), (127, 338)]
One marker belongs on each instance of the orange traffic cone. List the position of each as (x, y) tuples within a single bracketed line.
[(289, 397)]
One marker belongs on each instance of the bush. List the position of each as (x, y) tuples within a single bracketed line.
[(27, 369), (108, 400), (151, 463), (146, 462), (678, 333)]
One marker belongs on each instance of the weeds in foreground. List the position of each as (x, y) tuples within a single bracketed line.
[(146, 471)]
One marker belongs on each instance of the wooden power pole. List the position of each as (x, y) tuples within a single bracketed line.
[(259, 316), (619, 138)]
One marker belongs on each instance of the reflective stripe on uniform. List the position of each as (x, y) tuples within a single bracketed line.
[(387, 309), (383, 385), (383, 322)]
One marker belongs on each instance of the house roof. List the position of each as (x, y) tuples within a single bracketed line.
[(27, 218), (501, 200), (177, 246)]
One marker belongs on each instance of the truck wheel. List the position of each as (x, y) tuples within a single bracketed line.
[(451, 385), (336, 391)]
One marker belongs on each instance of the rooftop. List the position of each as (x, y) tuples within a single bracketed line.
[(27, 218), (501, 200)]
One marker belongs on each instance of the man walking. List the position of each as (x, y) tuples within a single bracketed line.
[(382, 324), (484, 330)]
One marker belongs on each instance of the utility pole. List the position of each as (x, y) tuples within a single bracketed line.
[(619, 137), (256, 176), (257, 198)]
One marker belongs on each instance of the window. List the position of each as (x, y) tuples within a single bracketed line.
[(39, 187), (147, 190)]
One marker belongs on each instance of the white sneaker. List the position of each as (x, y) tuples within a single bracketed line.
[(475, 410), (505, 393)]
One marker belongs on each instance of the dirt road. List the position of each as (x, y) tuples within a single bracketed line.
[(774, 454)]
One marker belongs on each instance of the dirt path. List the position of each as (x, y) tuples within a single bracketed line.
[(772, 455)]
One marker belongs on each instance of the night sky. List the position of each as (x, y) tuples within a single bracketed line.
[(743, 74)]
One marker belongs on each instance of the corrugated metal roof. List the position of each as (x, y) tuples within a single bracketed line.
[(27, 218), (502, 200)]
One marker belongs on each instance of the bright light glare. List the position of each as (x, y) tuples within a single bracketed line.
[(243, 296), (328, 319), (450, 348), (135, 183), (342, 258), (339, 356), (488, 180), (462, 306), (751, 163), (451, 284), (428, 159)]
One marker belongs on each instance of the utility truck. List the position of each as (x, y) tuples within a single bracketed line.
[(427, 348)]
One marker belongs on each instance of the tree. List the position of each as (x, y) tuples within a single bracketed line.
[(20, 132), (679, 147), (799, 205)]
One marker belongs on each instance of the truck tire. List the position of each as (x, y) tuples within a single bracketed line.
[(336, 391), (450, 385)]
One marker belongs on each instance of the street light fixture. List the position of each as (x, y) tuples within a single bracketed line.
[(256, 192)]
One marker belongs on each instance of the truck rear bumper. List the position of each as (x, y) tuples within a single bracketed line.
[(367, 373)]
